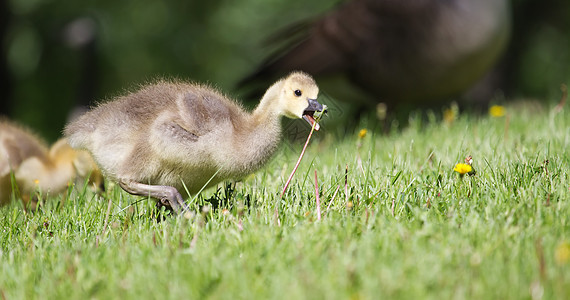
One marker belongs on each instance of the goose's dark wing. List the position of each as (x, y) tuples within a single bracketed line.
[(333, 42)]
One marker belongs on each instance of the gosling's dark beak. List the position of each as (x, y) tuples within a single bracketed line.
[(314, 106)]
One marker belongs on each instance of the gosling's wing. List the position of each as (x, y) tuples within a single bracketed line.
[(199, 115), (183, 137), (170, 130), (202, 111)]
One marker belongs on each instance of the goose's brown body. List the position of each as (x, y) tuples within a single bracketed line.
[(417, 51), (176, 134)]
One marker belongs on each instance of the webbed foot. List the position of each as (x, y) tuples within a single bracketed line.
[(166, 195)]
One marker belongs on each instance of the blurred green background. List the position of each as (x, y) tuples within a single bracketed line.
[(56, 53)]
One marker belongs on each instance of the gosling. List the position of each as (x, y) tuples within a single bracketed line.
[(169, 137), (38, 168)]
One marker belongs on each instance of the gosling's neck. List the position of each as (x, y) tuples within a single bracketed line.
[(259, 134), (268, 111)]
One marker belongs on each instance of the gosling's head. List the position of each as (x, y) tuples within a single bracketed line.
[(298, 97), (64, 164), (62, 154)]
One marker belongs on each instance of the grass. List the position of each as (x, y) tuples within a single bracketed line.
[(407, 226)]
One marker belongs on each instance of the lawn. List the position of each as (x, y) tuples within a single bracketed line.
[(396, 222)]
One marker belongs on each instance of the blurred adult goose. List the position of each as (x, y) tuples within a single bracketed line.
[(171, 136), (37, 167), (394, 51)]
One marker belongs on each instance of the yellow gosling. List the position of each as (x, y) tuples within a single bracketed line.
[(168, 135)]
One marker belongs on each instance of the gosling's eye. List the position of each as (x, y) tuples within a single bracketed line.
[(298, 93)]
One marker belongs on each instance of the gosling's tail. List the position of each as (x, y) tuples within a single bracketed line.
[(78, 133)]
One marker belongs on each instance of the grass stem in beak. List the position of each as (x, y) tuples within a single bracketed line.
[(300, 157)]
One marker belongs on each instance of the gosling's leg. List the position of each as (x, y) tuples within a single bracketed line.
[(167, 195)]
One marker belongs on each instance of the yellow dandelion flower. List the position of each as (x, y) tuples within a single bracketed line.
[(362, 133), (36, 181), (562, 253), (450, 114), (463, 168), (381, 111), (497, 111)]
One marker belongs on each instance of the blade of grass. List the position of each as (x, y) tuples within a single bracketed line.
[(104, 224), (332, 199), (298, 161), (317, 197), (346, 184)]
